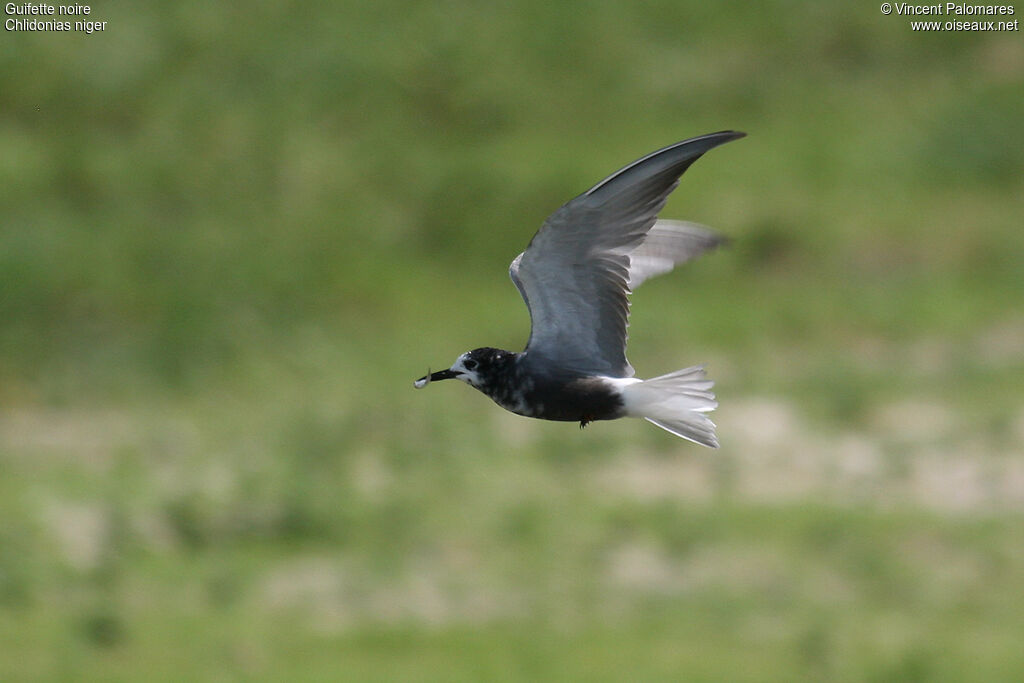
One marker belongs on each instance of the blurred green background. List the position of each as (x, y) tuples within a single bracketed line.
[(232, 235)]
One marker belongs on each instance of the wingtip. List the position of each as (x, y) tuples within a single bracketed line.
[(721, 242), (730, 134), (702, 143), (681, 154), (719, 138)]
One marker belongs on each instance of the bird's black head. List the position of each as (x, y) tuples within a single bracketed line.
[(478, 368)]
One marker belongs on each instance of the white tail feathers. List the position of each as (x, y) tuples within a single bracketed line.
[(677, 402)]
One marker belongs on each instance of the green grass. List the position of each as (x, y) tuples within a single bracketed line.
[(752, 593), (232, 237)]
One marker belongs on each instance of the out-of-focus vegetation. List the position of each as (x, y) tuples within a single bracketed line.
[(231, 236)]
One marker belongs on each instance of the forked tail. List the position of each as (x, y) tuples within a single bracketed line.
[(677, 402)]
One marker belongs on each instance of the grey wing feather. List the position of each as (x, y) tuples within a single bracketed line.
[(575, 274), (667, 245)]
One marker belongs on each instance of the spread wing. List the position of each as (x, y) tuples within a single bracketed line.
[(575, 274), (667, 245)]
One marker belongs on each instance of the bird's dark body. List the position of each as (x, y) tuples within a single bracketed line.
[(513, 381)]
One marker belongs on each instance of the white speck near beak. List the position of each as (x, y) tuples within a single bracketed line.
[(434, 377)]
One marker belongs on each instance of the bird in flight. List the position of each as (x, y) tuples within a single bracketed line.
[(575, 277)]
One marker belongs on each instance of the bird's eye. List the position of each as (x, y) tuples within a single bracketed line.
[(469, 365)]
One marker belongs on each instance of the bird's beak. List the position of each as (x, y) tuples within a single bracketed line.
[(434, 377), (443, 374)]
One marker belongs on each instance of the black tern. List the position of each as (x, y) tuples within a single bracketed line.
[(575, 277)]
